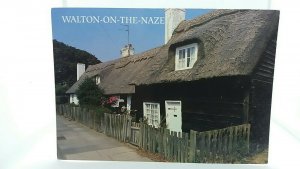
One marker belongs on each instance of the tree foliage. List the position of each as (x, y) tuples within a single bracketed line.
[(60, 89), (65, 61), (89, 93)]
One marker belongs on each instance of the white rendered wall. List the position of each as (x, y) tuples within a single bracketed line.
[(74, 99), (172, 19)]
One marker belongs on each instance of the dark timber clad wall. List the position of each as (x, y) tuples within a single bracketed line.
[(265, 69), (206, 104), (261, 95)]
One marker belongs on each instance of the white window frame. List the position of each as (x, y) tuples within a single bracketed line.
[(149, 113), (192, 58), (98, 80)]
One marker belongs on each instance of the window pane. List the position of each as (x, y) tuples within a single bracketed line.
[(193, 57), (180, 54), (186, 56), (183, 59), (152, 113)]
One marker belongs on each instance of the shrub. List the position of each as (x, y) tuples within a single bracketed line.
[(89, 93)]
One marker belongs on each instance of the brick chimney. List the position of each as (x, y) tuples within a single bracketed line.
[(172, 19)]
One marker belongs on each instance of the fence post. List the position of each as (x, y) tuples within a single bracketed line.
[(140, 135), (129, 129), (73, 113), (105, 123), (94, 127), (248, 137), (65, 111), (186, 146), (81, 115), (145, 136), (192, 146), (172, 154), (69, 111), (165, 141)]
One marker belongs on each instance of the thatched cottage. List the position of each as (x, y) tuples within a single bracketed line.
[(215, 71)]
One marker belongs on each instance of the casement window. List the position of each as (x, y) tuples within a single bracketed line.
[(97, 79), (152, 113), (186, 56)]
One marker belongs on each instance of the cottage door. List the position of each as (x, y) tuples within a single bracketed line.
[(173, 115)]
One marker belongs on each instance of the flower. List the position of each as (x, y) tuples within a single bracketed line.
[(112, 100)]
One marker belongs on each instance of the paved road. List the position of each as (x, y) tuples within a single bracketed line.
[(77, 142)]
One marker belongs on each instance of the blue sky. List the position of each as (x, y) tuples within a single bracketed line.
[(104, 40)]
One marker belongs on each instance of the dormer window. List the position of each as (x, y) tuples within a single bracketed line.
[(97, 80), (186, 56)]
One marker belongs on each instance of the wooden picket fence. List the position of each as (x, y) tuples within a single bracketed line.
[(217, 146), (135, 133), (117, 126), (222, 145), (172, 146), (85, 116)]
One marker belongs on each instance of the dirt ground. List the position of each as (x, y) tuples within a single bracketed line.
[(258, 158), (152, 156)]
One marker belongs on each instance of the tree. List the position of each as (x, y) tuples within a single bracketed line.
[(65, 59), (88, 93), (60, 92)]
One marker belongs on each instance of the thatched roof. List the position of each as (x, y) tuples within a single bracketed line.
[(230, 43), (117, 75)]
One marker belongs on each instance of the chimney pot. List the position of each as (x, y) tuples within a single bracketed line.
[(128, 50)]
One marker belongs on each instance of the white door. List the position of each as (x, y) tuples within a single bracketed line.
[(173, 115)]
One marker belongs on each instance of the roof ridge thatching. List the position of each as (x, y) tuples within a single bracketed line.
[(189, 24), (118, 70)]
